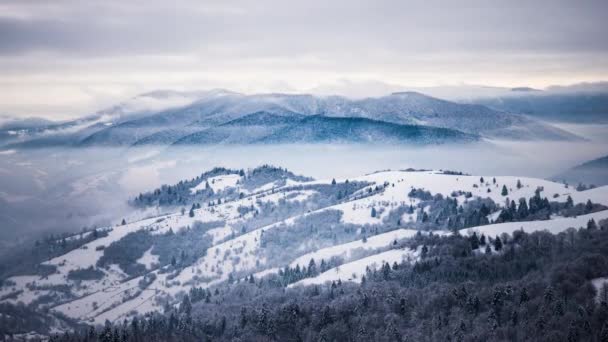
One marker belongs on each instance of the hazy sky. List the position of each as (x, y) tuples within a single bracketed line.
[(67, 57)]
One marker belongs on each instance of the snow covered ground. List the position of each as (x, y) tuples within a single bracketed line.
[(117, 296), (554, 226), (353, 271), (219, 183)]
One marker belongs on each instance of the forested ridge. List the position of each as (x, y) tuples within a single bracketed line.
[(524, 287)]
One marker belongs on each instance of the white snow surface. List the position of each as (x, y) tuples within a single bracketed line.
[(353, 271), (148, 259), (346, 250), (554, 226), (219, 183)]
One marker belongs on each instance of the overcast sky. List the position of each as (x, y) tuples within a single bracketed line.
[(69, 57)]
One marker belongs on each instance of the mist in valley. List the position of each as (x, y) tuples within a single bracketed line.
[(53, 190)]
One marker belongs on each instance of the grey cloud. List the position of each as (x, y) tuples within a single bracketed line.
[(52, 52), (284, 27)]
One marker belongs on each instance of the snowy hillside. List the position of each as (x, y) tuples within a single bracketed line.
[(277, 224)]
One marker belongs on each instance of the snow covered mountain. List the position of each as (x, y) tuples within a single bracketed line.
[(165, 118), (574, 107), (237, 224), (266, 128)]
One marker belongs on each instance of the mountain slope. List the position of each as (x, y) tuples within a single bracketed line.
[(359, 130), (591, 172), (269, 128), (165, 118), (346, 226), (565, 107), (411, 107)]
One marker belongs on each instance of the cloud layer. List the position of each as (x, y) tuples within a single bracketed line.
[(66, 56)]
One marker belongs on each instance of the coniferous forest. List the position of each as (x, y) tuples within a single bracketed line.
[(524, 287)]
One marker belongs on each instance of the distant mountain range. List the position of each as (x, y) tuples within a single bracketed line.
[(225, 117), (591, 172), (579, 107)]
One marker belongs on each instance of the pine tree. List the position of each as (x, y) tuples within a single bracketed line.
[(504, 191), (522, 211), (374, 212), (497, 244), (519, 186), (588, 206), (186, 306), (481, 180), (312, 268), (591, 224), (333, 181), (569, 202), (474, 241), (124, 222)]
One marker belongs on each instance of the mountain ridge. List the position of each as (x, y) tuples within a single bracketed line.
[(175, 117)]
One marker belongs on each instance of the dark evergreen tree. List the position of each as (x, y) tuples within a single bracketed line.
[(569, 202), (497, 243), (591, 224), (474, 241)]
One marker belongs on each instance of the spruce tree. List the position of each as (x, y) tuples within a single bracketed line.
[(474, 241), (588, 206), (522, 211), (497, 244), (186, 306), (425, 217), (569, 202), (591, 224)]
